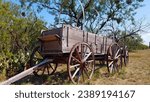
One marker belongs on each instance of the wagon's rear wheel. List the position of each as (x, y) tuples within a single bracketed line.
[(36, 58), (81, 63), (114, 58)]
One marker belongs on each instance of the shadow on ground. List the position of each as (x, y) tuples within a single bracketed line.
[(58, 78)]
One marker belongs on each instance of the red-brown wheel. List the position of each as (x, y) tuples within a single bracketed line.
[(36, 58), (81, 63), (114, 58)]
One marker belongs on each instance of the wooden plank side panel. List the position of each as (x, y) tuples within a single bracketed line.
[(99, 42), (104, 45), (91, 41), (109, 42), (71, 36), (74, 35), (51, 47)]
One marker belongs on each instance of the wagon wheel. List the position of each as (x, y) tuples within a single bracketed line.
[(36, 58), (126, 56), (81, 63), (114, 58)]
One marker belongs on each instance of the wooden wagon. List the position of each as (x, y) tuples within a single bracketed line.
[(79, 49)]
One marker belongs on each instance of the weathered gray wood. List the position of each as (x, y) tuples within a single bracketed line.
[(69, 36), (24, 73)]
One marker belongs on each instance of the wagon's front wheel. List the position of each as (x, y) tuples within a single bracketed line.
[(35, 58), (114, 58), (81, 63)]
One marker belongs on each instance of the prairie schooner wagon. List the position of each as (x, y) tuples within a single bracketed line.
[(78, 48)]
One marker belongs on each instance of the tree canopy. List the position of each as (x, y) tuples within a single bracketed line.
[(98, 13)]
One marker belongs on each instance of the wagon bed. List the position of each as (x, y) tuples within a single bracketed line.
[(61, 40)]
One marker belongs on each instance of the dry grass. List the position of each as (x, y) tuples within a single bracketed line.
[(137, 72)]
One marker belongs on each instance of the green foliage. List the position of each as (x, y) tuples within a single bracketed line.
[(18, 36), (134, 43)]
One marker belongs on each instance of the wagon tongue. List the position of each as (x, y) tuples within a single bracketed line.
[(24, 73)]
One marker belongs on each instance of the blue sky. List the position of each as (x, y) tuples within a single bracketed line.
[(142, 13)]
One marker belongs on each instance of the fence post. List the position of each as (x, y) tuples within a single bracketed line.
[(149, 45)]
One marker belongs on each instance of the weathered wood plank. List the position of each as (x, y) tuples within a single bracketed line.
[(24, 73)]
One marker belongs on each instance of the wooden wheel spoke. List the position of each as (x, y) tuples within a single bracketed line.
[(51, 66), (117, 56), (90, 61), (87, 56), (76, 65), (111, 68), (89, 66), (110, 63), (76, 71), (86, 72), (48, 69), (45, 67), (76, 59), (117, 53)]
